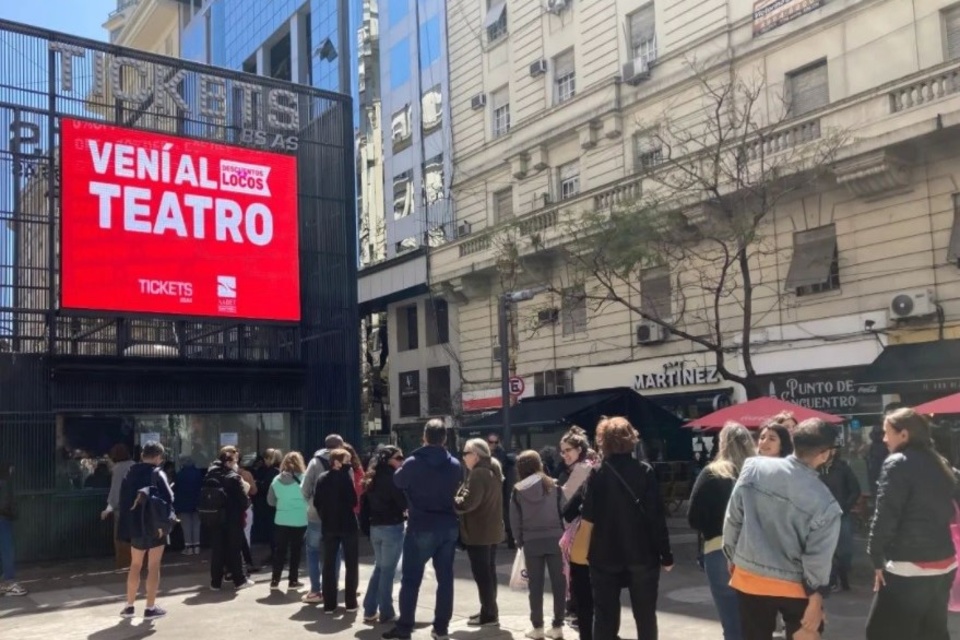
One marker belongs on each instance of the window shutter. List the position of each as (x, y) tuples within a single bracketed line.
[(642, 26), (503, 204), (500, 98), (809, 90), (563, 64), (951, 22)]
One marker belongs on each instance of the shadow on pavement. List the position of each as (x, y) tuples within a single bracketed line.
[(125, 630)]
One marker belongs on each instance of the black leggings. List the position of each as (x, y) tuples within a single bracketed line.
[(910, 608), (581, 593), (288, 539)]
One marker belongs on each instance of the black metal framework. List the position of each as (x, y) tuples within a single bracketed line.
[(53, 363)]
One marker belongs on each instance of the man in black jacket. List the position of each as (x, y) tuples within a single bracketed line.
[(226, 537), (843, 484)]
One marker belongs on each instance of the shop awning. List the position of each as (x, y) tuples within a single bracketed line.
[(922, 366), (583, 409)]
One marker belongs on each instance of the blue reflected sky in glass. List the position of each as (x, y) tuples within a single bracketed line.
[(429, 42), (400, 63), (397, 10)]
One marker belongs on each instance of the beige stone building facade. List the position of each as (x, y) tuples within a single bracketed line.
[(559, 109)]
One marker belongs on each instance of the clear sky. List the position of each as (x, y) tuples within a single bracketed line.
[(76, 17)]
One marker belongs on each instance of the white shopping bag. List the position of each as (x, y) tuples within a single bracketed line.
[(519, 579)]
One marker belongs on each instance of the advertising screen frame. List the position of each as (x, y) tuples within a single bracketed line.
[(75, 311)]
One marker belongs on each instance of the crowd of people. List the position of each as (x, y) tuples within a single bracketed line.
[(773, 510), (775, 518)]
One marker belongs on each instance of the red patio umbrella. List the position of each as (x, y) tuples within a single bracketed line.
[(948, 404), (755, 412)]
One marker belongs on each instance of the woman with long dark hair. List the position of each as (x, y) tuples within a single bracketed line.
[(775, 440), (708, 505), (910, 543), (383, 513), (574, 469)]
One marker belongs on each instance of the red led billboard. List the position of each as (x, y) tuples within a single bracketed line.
[(163, 225)]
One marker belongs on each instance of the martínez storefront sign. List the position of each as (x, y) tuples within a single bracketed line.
[(677, 374)]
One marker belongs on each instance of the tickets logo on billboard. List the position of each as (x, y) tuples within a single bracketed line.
[(150, 221)]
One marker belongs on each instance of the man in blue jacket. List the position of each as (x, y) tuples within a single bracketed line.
[(430, 478)]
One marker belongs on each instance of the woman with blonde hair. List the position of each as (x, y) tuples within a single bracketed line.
[(290, 520), (708, 505), (479, 502)]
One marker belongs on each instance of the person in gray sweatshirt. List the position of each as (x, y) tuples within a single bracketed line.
[(537, 524), (318, 464)]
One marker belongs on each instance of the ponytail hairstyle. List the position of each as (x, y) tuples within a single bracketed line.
[(379, 463), (577, 439), (906, 419)]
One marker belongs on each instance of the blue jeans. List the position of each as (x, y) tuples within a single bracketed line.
[(314, 542), (419, 547), (728, 605), (387, 544), (7, 555), (843, 559)]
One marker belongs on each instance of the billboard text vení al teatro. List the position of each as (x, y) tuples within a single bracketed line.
[(162, 225)]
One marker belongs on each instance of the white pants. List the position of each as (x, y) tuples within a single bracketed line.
[(248, 524)]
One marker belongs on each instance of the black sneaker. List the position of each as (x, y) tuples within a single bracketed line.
[(395, 634), (481, 622), (296, 584), (128, 612), (154, 613)]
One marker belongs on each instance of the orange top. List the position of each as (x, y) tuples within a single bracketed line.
[(756, 585)]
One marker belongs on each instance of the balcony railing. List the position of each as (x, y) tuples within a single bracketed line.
[(474, 245), (122, 5), (618, 194), (782, 139), (925, 90)]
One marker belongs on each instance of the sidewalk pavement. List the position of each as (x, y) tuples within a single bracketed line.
[(82, 600)]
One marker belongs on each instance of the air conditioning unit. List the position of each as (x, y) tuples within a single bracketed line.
[(548, 316), (651, 333), (556, 6), (918, 303), (463, 229), (636, 71), (538, 68), (496, 353), (478, 101)]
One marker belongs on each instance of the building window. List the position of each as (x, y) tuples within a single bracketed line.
[(433, 180), (397, 10), (643, 34), (503, 204), (402, 195), (564, 77), (400, 127), (555, 382), (569, 177), (648, 150), (953, 250), (951, 32), (438, 322), (432, 108), (438, 391), (656, 292), (400, 64), (574, 310), (408, 337), (495, 22), (815, 266), (410, 394), (501, 112), (405, 245), (429, 42), (807, 89)]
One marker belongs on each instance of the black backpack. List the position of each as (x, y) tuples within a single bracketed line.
[(156, 510), (212, 506)]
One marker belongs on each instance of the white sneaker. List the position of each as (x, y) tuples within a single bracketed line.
[(555, 633), (535, 634), (246, 585)]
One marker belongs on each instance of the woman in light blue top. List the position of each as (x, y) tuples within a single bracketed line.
[(290, 519)]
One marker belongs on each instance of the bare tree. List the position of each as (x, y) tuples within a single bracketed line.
[(710, 181)]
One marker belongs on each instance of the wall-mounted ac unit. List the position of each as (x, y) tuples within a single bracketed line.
[(463, 229), (918, 303), (557, 6), (548, 316), (636, 71), (478, 101), (538, 68), (651, 333)]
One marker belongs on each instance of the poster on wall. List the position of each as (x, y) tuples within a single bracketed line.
[(229, 439), (159, 224), (150, 436), (770, 14)]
